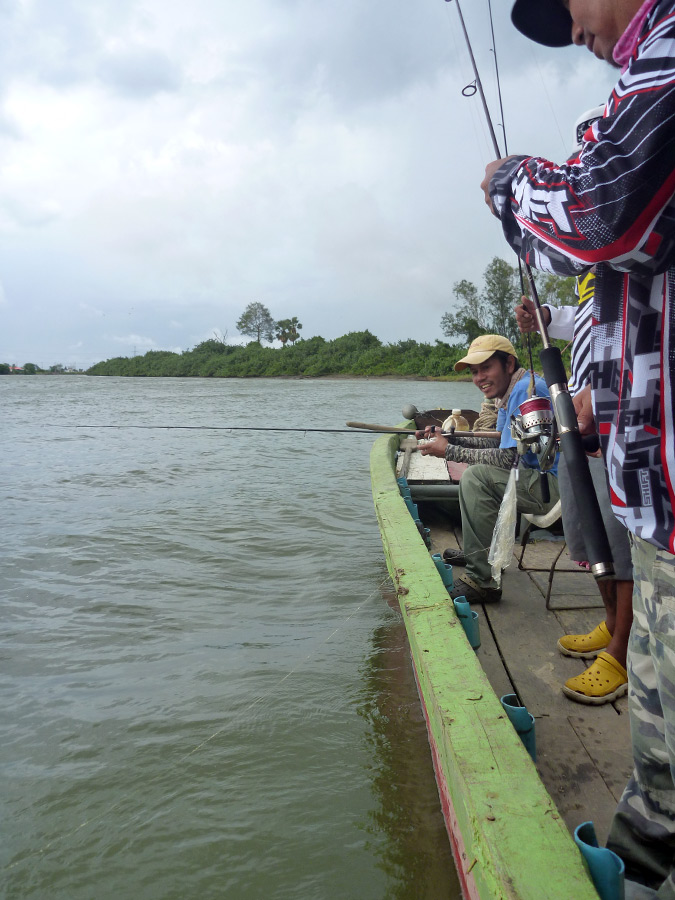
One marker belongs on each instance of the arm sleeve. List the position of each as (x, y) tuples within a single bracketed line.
[(614, 204), (501, 457), (562, 322), (472, 443)]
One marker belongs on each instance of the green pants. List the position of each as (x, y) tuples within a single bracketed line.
[(481, 490)]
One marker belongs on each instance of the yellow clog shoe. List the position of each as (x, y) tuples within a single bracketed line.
[(603, 681), (585, 646)]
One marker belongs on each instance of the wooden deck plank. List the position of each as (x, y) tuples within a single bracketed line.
[(607, 747), (582, 776), (572, 775), (580, 621)]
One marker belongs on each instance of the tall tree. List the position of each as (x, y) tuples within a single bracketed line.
[(555, 290), (469, 319), (256, 321), (296, 327), (500, 295), (288, 330), (489, 311)]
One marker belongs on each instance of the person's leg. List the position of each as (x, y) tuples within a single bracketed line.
[(611, 635), (619, 610), (481, 491), (643, 829)]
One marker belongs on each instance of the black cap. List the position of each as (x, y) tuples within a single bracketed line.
[(545, 21)]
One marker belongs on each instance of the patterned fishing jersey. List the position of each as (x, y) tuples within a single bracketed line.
[(581, 345), (613, 207)]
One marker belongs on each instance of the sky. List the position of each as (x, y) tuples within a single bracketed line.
[(165, 164)]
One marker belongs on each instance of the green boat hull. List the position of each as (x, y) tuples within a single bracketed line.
[(508, 838)]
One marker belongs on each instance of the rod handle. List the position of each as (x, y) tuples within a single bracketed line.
[(571, 445)]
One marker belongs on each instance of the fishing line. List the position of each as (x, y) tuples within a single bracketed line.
[(499, 85), (563, 143), (461, 56), (227, 428), (377, 591), (598, 549)]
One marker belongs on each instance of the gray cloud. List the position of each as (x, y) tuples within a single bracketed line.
[(139, 72), (164, 165)]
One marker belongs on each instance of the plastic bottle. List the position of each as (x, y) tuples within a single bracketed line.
[(456, 422)]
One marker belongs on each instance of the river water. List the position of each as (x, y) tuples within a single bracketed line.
[(204, 690)]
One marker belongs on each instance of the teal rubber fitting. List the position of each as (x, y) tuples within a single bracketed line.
[(405, 493), (412, 508), (607, 869), (425, 534), (469, 620), (444, 570), (402, 482), (522, 721)]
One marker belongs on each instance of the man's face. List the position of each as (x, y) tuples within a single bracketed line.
[(492, 378), (598, 24)]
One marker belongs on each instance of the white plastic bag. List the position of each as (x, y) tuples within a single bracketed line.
[(504, 535)]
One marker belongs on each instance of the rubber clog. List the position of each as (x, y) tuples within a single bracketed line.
[(585, 646), (603, 681), (474, 593), (454, 557)]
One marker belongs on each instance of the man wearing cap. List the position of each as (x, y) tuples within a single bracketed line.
[(496, 372), (614, 208)]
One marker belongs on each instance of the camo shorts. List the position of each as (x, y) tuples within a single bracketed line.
[(643, 830)]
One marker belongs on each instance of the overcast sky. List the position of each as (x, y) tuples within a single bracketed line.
[(164, 164)]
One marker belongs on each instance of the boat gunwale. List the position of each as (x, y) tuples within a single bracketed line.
[(508, 838)]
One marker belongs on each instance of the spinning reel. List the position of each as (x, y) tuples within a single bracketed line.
[(535, 428)]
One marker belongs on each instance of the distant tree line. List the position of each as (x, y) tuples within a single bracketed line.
[(358, 353), (26, 369), (32, 369), (477, 310)]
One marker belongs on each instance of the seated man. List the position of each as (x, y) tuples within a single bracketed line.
[(497, 373)]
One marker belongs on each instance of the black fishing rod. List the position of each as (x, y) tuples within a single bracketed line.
[(354, 428), (593, 526)]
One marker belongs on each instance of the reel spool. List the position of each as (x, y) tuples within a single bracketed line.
[(536, 415), (534, 426)]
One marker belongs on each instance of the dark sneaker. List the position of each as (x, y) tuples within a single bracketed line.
[(474, 593), (454, 557)]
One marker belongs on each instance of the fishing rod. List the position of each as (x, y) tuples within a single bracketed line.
[(593, 526), (353, 428)]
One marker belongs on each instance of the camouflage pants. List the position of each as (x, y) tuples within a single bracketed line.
[(643, 830)]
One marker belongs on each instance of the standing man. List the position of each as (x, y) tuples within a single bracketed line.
[(615, 209), (497, 373)]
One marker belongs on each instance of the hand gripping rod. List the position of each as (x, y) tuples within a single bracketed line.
[(592, 524)]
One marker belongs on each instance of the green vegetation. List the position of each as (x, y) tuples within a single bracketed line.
[(357, 353), (287, 330), (485, 311), (256, 322), (490, 311), (27, 369)]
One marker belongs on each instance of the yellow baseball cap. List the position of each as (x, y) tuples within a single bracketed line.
[(483, 348)]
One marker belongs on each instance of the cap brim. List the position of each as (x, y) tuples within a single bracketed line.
[(545, 21), (473, 359)]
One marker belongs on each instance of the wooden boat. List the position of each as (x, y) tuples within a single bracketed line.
[(432, 480), (510, 838)]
